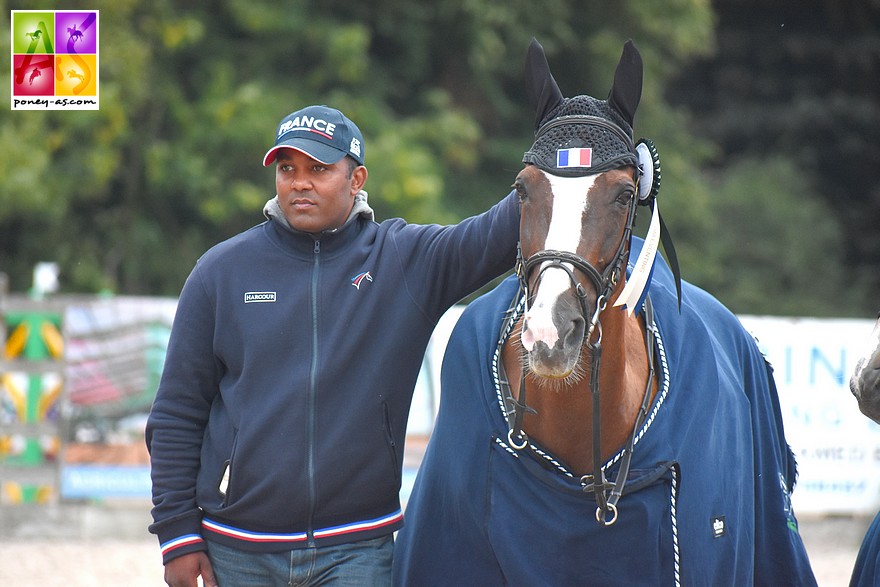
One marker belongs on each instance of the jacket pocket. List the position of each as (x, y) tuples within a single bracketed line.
[(391, 443), (223, 483)]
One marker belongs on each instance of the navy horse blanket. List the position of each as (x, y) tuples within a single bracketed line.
[(707, 502), (866, 571)]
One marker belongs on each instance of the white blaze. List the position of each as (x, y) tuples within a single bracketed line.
[(566, 218)]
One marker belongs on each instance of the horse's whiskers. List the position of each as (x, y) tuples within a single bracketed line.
[(554, 384), (558, 384)]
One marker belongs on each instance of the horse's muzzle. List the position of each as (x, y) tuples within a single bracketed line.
[(554, 354)]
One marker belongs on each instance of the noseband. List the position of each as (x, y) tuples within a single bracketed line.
[(604, 282)]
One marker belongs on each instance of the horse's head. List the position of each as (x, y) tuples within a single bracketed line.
[(578, 190), (865, 380)]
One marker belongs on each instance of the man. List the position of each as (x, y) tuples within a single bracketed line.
[(277, 432)]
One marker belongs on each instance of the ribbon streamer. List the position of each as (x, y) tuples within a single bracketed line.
[(636, 287)]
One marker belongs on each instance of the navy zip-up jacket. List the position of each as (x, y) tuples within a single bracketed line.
[(280, 417)]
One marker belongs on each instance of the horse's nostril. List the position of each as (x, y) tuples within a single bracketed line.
[(527, 337), (574, 335), (541, 348)]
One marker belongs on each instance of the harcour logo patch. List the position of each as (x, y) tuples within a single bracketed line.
[(252, 297)]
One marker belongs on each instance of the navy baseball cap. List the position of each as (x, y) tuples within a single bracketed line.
[(323, 133)]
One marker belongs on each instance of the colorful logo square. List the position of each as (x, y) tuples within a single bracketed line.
[(33, 31), (54, 57), (33, 75), (76, 32), (74, 75)]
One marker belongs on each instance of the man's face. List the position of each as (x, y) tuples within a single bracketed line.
[(314, 196)]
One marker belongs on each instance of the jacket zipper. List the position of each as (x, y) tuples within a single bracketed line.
[(313, 378)]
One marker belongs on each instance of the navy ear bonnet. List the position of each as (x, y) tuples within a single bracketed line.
[(583, 135), (582, 123)]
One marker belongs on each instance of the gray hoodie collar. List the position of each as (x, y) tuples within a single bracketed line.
[(272, 211)]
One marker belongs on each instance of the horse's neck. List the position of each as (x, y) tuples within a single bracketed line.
[(563, 425)]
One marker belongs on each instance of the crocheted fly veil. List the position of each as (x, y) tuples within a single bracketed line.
[(583, 135), (588, 125)]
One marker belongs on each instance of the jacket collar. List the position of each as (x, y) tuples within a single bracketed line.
[(272, 211), (331, 240)]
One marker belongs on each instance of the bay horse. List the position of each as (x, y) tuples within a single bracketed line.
[(601, 422), (864, 384), (865, 380)]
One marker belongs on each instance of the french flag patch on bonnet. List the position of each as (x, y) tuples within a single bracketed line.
[(574, 157)]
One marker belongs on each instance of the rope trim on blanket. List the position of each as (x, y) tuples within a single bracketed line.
[(509, 323), (673, 506), (556, 464), (661, 397)]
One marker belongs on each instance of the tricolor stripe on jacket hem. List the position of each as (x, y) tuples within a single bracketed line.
[(266, 537), (178, 542)]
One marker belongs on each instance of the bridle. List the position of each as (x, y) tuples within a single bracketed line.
[(606, 493)]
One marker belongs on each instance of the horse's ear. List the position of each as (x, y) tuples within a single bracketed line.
[(626, 92), (543, 91)]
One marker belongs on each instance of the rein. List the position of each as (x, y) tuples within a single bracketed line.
[(606, 493), (607, 504)]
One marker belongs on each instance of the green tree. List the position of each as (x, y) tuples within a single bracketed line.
[(800, 81), (127, 197), (773, 243)]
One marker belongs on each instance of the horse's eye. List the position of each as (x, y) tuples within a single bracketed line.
[(520, 191), (626, 196)]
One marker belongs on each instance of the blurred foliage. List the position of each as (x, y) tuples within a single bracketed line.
[(782, 241), (799, 81), (126, 198)]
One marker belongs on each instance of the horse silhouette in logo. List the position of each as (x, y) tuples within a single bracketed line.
[(34, 75), (35, 36), (74, 34), (75, 74)]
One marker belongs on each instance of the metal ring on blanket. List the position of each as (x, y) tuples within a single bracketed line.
[(514, 444), (601, 512)]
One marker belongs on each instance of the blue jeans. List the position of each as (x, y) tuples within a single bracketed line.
[(356, 564)]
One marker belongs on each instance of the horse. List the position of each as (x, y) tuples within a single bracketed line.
[(601, 421), (74, 34), (864, 383)]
